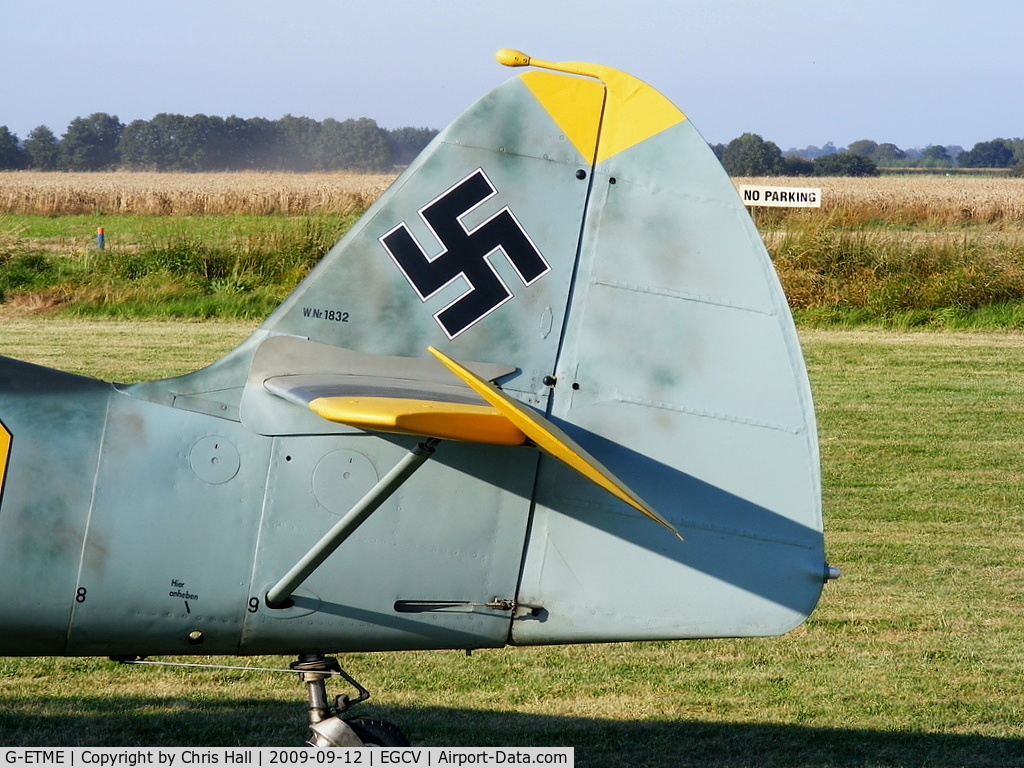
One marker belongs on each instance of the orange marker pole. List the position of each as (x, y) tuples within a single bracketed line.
[(100, 238)]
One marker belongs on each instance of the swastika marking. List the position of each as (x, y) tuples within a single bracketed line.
[(465, 254)]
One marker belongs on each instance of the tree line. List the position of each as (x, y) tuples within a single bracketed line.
[(751, 155), (171, 142)]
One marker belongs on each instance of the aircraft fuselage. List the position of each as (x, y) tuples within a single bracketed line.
[(138, 528)]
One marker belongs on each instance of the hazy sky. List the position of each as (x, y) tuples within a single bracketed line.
[(797, 72)]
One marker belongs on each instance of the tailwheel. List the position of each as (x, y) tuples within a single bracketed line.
[(377, 733), (329, 728)]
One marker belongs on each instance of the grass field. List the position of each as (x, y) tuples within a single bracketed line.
[(914, 658), (914, 251)]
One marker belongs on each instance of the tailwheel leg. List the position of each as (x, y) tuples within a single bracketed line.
[(325, 721)]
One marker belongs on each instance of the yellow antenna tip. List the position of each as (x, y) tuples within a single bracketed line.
[(510, 57)]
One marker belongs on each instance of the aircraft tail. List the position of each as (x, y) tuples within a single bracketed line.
[(574, 235)]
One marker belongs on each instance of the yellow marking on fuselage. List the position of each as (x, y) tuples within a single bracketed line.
[(5, 449)]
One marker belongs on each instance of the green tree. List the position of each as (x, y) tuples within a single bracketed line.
[(880, 154), (90, 143), (886, 154), (844, 164), (139, 147), (1017, 145), (176, 142), (408, 142), (12, 156), (987, 154), (936, 156), (864, 147), (750, 155), (794, 165), (248, 143), (192, 142), (355, 145), (298, 138), (42, 148), (210, 139)]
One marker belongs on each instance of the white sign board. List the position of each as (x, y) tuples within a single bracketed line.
[(781, 197)]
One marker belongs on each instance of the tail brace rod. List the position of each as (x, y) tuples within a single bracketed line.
[(279, 594)]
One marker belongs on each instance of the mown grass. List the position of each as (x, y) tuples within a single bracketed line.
[(914, 658)]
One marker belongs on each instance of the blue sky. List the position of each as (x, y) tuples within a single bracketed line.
[(794, 71)]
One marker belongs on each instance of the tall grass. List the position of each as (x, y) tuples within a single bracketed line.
[(902, 251), (894, 275), (168, 271), (899, 251)]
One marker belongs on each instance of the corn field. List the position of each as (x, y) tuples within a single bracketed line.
[(912, 200), (187, 194), (920, 200)]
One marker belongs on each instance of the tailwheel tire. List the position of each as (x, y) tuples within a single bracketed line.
[(377, 733)]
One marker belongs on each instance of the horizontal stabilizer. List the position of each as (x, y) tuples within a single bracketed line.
[(413, 396), (407, 396), (552, 440), (428, 418)]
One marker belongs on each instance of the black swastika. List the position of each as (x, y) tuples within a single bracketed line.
[(465, 253)]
